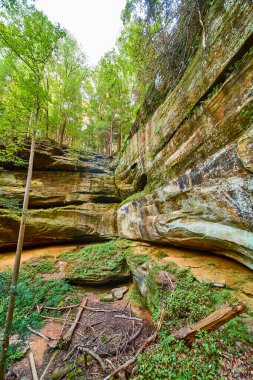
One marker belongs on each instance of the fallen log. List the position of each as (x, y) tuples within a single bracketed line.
[(152, 338), (210, 323)]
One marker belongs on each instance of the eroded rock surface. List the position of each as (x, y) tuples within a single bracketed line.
[(67, 203), (193, 159)]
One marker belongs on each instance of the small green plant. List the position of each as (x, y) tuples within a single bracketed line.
[(41, 266), (161, 255), (188, 303), (32, 290)]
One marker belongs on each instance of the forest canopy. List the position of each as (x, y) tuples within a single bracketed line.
[(47, 85)]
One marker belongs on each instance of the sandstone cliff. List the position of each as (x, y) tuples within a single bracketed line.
[(188, 170), (194, 157), (71, 199)]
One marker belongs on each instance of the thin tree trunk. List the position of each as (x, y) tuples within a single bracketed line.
[(63, 131), (15, 273), (47, 111), (111, 139), (119, 140)]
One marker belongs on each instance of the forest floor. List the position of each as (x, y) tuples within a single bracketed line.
[(98, 330), (116, 330)]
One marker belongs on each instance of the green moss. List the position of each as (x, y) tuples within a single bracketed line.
[(136, 296), (97, 259)]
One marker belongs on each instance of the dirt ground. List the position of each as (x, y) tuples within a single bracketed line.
[(100, 330)]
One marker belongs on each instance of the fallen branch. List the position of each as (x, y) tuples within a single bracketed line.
[(135, 335), (33, 367), (65, 340), (94, 355), (49, 363), (100, 310), (39, 334), (126, 317), (203, 26), (65, 322), (59, 308), (146, 343), (211, 322)]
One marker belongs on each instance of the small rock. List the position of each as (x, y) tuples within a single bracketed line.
[(218, 284), (118, 293), (107, 298)]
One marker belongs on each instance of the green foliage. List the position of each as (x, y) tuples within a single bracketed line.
[(32, 290), (188, 303), (41, 266), (171, 359)]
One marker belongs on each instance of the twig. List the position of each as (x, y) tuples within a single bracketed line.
[(69, 322), (94, 355), (126, 317), (71, 352), (66, 372), (33, 367), (99, 310), (110, 363), (64, 324), (146, 343), (134, 336), (39, 333), (55, 318), (171, 283), (59, 308), (203, 26), (49, 363)]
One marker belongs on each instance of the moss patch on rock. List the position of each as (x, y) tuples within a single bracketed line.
[(98, 264)]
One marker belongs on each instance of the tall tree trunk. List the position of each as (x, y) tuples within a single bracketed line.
[(47, 112), (119, 140), (15, 273), (111, 139), (63, 131)]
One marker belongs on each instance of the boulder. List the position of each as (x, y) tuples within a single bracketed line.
[(103, 264), (118, 293)]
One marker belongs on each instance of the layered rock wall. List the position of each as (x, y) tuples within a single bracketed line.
[(70, 199), (195, 155)]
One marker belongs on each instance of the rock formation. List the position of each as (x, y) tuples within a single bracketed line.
[(194, 156), (70, 200), (189, 167)]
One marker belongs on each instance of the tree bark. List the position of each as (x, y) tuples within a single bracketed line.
[(15, 273)]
